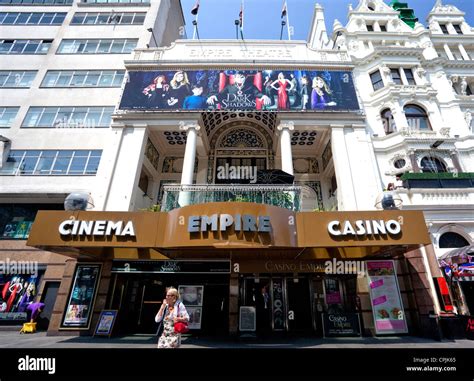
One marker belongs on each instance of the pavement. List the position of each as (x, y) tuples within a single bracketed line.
[(13, 339)]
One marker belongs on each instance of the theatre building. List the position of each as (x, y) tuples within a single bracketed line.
[(251, 175)]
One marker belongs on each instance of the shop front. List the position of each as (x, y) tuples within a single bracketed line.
[(242, 269)]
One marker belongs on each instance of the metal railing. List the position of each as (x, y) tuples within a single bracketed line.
[(283, 196)]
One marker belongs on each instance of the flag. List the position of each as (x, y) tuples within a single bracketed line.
[(283, 10), (195, 9), (241, 14)]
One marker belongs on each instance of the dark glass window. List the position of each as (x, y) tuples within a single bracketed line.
[(388, 121), (432, 164), (458, 29), (452, 240), (376, 79), (444, 29), (410, 77), (417, 117), (396, 76), (16, 219)]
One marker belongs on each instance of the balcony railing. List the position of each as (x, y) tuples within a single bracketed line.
[(283, 196), (438, 180)]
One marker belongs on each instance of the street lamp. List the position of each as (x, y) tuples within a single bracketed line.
[(153, 35)]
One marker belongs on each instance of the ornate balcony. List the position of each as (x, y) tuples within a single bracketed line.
[(446, 180), (283, 196)]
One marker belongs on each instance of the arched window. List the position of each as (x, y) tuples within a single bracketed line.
[(452, 240), (432, 164), (417, 118), (388, 121)]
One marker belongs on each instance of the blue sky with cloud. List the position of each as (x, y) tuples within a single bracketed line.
[(262, 17)]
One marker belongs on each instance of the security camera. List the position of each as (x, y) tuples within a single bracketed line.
[(78, 201)]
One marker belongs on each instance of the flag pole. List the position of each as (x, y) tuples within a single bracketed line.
[(195, 23), (288, 21), (242, 19)]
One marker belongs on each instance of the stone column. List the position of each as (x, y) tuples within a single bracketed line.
[(187, 173), (464, 54), (285, 146), (448, 52), (414, 164)]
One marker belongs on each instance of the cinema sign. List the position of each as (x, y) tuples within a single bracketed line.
[(97, 228)]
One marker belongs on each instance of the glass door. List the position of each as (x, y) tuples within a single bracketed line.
[(299, 305)]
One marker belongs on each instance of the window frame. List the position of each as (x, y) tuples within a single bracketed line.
[(376, 83), (423, 115), (81, 45), (34, 158)]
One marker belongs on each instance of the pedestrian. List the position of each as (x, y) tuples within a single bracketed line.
[(172, 311)]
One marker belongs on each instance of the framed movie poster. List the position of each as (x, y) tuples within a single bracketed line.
[(195, 314), (106, 322), (191, 295), (81, 299), (247, 319)]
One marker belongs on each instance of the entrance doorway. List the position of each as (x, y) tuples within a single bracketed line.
[(138, 297), (50, 292), (299, 305), (282, 303)]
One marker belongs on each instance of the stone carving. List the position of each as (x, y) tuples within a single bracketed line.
[(420, 72), (444, 132), (468, 117)]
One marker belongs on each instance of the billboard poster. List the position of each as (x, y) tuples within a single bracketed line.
[(250, 90), (81, 298), (385, 298), (17, 292)]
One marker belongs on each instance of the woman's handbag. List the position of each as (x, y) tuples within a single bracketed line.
[(180, 327)]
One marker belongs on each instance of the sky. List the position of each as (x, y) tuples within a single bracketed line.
[(262, 18)]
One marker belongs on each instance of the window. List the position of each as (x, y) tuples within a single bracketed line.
[(399, 163), (52, 162), (458, 29), (113, 18), (96, 46), (396, 76), (91, 78), (25, 46), (444, 28), (452, 240), (17, 78), (16, 219), (432, 164), (388, 121), (409, 76), (376, 79), (370, 28), (383, 28), (417, 118), (68, 117), (7, 114), (17, 18)]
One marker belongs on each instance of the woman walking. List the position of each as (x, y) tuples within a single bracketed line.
[(171, 312)]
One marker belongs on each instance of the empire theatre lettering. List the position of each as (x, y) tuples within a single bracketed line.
[(222, 222)]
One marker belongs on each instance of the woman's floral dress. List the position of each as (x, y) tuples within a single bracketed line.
[(169, 338)]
